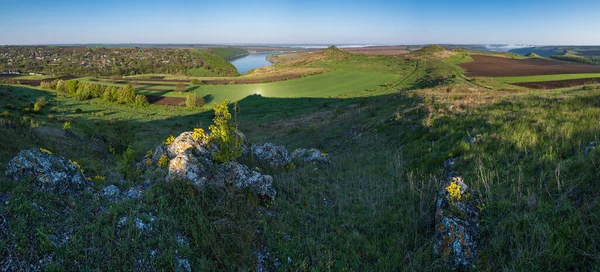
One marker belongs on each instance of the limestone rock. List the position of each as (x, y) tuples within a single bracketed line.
[(239, 176), (456, 225), (185, 166), (268, 154), (48, 172), (310, 155), (110, 192)]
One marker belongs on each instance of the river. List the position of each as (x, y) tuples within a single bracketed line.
[(251, 61)]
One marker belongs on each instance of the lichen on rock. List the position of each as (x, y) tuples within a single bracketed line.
[(456, 225), (310, 155), (48, 172)]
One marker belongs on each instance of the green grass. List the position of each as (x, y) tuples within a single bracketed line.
[(334, 84), (373, 210), (524, 79)]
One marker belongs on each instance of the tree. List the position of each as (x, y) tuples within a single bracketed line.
[(224, 135), (191, 100), (126, 94), (72, 86), (141, 101)]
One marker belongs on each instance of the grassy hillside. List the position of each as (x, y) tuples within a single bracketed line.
[(523, 152)]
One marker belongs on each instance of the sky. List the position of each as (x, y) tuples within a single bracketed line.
[(533, 22)]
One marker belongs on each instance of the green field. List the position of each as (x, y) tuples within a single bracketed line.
[(334, 84), (525, 79)]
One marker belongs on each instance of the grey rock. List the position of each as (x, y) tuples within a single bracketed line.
[(144, 225), (310, 155), (122, 221), (133, 193), (262, 260), (456, 226), (239, 176), (183, 264), (48, 172), (182, 240), (271, 155), (111, 192), (185, 166)]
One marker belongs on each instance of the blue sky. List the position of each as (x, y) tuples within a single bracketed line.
[(305, 22)]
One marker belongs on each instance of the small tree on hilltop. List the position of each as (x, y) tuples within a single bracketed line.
[(223, 133)]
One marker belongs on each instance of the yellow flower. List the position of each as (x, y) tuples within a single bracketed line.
[(169, 140), (163, 160), (45, 150), (454, 190), (199, 135)]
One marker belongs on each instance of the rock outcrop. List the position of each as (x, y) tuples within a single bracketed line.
[(271, 155), (47, 172), (456, 225), (191, 159), (311, 155)]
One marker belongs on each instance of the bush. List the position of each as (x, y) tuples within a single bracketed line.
[(141, 101), (72, 86), (40, 103), (224, 134), (191, 100), (5, 114), (67, 126), (196, 81), (78, 110), (126, 94), (180, 88), (61, 86)]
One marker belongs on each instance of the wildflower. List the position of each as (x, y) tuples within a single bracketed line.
[(169, 140), (454, 190)]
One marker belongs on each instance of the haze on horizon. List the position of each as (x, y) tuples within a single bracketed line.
[(533, 22)]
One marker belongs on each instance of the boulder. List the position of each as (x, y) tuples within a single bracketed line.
[(48, 172), (239, 176), (186, 166), (111, 192), (456, 225), (310, 155), (271, 155)]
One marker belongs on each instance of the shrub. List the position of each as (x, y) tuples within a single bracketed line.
[(199, 135), (224, 135), (163, 161), (141, 101), (196, 81), (40, 103), (78, 110), (180, 87), (126, 94), (191, 100), (67, 126), (61, 86), (72, 86), (5, 114)]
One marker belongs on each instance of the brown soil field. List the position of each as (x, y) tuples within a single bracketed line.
[(379, 50), (559, 83), (488, 66), (161, 100)]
